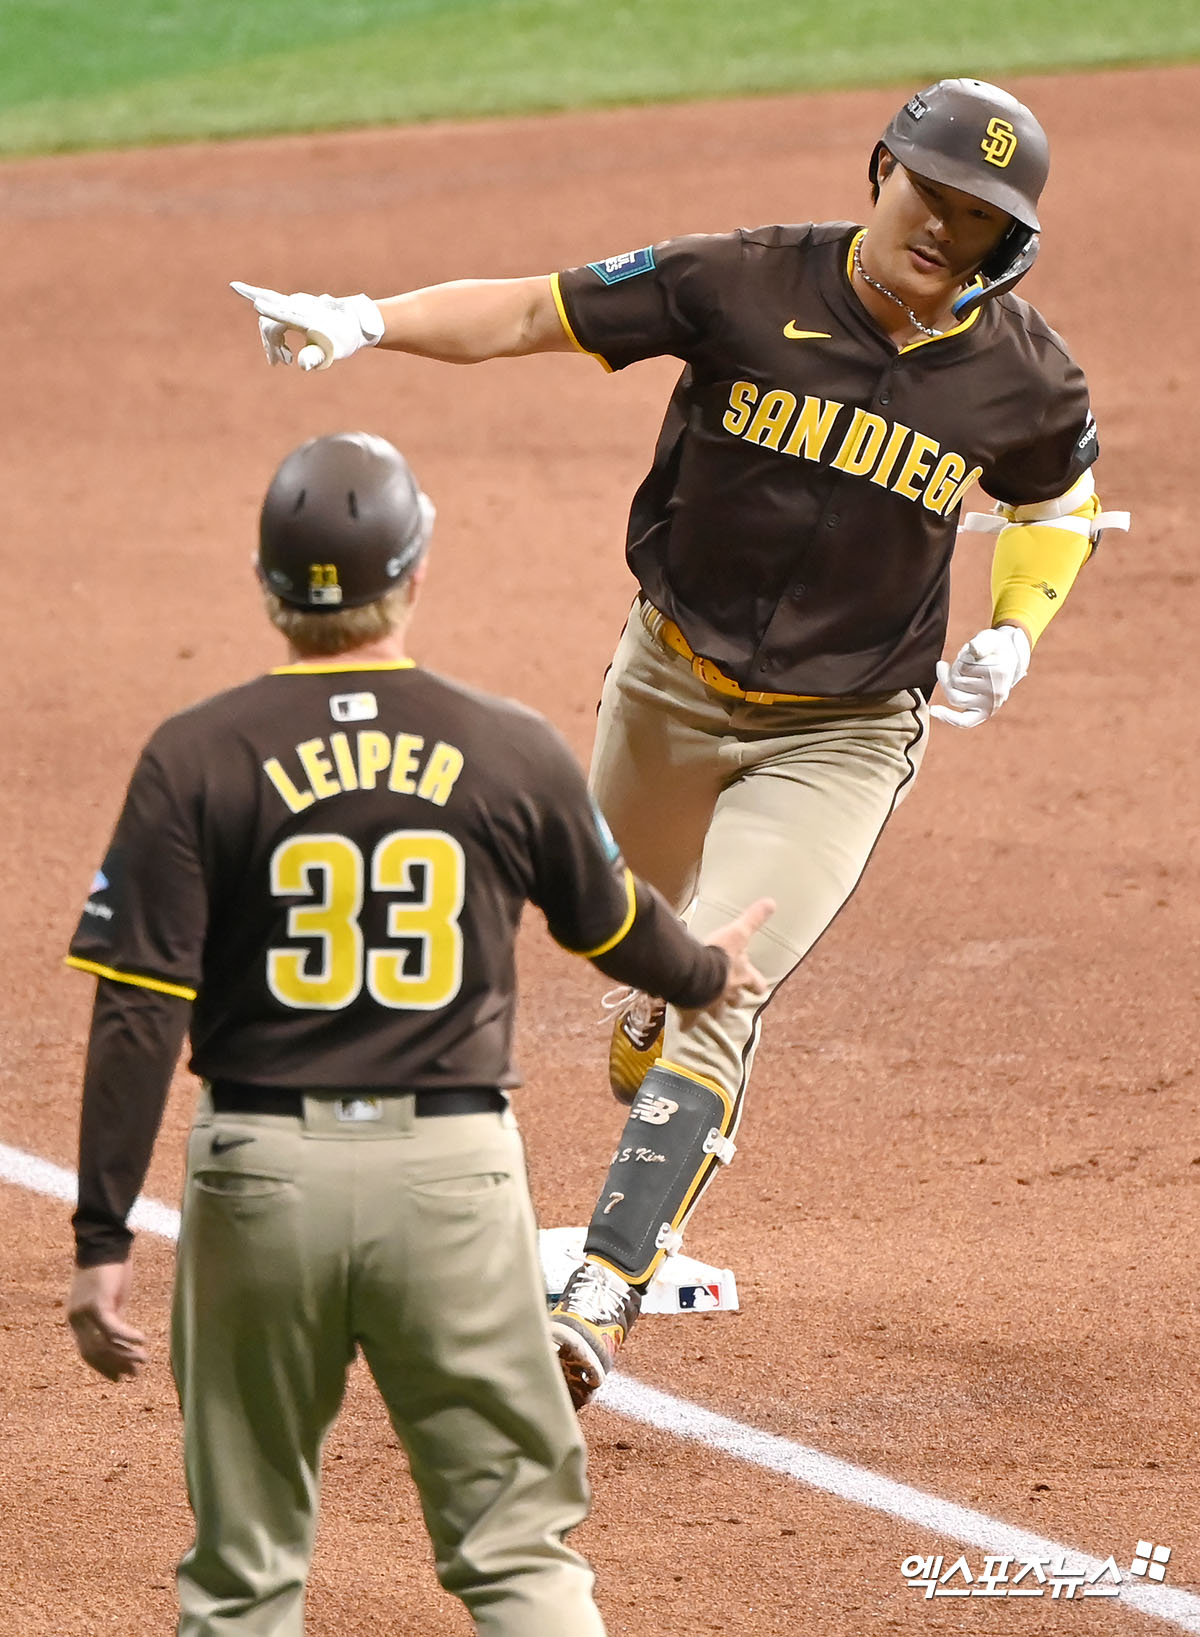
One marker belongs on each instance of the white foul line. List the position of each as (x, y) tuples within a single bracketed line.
[(639, 1402)]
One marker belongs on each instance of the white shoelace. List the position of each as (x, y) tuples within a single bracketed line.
[(598, 1295), (641, 1009)]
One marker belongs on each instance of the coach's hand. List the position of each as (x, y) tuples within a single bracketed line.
[(984, 672), (333, 326), (94, 1306), (734, 938)]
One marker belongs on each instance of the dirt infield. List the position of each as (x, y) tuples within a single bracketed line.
[(965, 1209)]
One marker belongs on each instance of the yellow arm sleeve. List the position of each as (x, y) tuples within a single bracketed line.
[(1035, 564)]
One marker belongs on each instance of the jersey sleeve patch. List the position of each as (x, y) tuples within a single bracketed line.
[(1088, 446), (618, 268), (96, 923)]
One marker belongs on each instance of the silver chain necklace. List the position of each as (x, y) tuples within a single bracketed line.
[(925, 329)]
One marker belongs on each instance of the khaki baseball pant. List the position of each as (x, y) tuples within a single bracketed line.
[(413, 1239), (717, 802)]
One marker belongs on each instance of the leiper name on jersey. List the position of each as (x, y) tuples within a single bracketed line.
[(316, 769), (887, 453)]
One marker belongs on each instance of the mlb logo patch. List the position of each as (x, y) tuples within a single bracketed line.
[(353, 707), (357, 1110), (699, 1298), (627, 266)]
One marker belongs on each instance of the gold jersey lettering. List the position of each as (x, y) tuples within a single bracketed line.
[(813, 425), (343, 760), (944, 480), (404, 763), (887, 461), (319, 768), (956, 499), (862, 444), (775, 410), (916, 466), (889, 453), (742, 397), (441, 770), (297, 800), (362, 761), (374, 755)]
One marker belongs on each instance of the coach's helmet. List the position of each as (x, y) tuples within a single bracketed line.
[(977, 138), (344, 522)]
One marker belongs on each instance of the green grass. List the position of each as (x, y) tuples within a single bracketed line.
[(95, 73)]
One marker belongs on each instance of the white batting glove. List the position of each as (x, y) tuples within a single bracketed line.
[(333, 326), (984, 672)]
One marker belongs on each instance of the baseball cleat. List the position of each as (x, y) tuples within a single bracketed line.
[(588, 1323), (637, 1039)]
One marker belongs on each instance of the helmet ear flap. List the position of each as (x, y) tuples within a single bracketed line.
[(1007, 265)]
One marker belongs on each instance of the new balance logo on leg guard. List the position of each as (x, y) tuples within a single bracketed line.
[(653, 1110)]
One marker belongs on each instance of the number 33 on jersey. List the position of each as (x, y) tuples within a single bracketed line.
[(428, 872)]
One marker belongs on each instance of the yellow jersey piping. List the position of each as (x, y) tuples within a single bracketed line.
[(630, 912), (946, 334), (303, 668), (161, 988), (570, 333)]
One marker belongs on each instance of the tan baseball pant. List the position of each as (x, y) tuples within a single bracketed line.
[(412, 1239), (718, 802)]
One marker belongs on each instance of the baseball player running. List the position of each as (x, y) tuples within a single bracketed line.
[(324, 870), (844, 388)]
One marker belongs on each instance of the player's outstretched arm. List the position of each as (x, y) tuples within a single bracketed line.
[(465, 322)]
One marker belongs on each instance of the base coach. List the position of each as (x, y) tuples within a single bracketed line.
[(320, 874)]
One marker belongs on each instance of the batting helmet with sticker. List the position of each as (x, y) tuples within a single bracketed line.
[(343, 523), (979, 139)]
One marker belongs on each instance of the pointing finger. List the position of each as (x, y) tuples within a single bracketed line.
[(757, 915), (254, 292)]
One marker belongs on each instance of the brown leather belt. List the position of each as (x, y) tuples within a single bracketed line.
[(238, 1097), (705, 671)]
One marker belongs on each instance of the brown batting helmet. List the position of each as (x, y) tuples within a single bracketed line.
[(973, 136), (343, 523)]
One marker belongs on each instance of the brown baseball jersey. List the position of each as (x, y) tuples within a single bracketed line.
[(800, 514), (331, 863)]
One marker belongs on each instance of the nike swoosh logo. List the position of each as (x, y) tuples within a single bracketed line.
[(222, 1145), (793, 334)]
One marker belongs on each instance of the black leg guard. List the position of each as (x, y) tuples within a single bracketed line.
[(676, 1133)]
